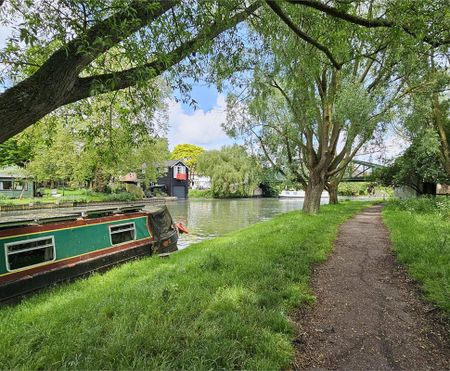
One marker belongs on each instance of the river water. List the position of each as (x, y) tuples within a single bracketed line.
[(207, 218), (204, 218)]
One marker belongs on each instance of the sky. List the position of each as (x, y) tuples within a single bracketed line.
[(202, 126)]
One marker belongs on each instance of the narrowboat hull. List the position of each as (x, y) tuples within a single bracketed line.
[(70, 249)]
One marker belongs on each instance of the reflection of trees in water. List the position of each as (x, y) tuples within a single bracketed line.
[(216, 217), (210, 218)]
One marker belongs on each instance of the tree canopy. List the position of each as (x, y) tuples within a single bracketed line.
[(417, 165), (309, 110), (232, 171), (63, 53), (189, 153)]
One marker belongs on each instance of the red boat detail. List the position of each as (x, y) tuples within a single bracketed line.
[(181, 228)]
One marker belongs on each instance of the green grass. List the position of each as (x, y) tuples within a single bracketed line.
[(71, 195), (420, 233), (220, 304)]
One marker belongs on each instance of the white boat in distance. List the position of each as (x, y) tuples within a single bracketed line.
[(299, 194)]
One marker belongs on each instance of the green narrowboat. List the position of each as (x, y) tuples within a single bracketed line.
[(42, 250)]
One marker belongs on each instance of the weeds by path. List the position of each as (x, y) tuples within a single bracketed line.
[(420, 233)]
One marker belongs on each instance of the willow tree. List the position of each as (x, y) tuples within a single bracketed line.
[(312, 107), (308, 138), (233, 172)]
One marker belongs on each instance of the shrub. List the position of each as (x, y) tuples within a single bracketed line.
[(423, 205), (200, 193), (135, 190)]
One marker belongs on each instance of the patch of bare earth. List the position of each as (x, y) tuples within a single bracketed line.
[(368, 314)]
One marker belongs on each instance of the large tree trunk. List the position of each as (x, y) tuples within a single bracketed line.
[(333, 192), (313, 193)]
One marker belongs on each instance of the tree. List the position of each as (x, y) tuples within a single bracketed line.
[(72, 61), (189, 153), (107, 135), (232, 171), (310, 110), (419, 164), (15, 151), (62, 54), (428, 105), (56, 162), (145, 157)]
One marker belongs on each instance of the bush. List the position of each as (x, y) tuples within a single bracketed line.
[(200, 193), (123, 196), (353, 189), (362, 189), (423, 205), (135, 190)]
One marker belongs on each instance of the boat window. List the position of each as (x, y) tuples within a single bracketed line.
[(122, 233), (29, 252)]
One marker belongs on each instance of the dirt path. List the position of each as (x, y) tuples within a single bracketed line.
[(367, 314)]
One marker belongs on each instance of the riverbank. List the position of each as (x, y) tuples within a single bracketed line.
[(70, 196), (39, 204), (222, 303), (420, 233)]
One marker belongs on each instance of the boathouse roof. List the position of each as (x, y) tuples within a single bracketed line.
[(172, 163), (14, 172)]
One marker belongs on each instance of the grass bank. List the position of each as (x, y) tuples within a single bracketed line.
[(222, 303), (420, 233), (71, 195)]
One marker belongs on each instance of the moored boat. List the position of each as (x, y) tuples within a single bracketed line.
[(39, 251)]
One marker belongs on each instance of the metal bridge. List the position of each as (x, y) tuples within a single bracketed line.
[(359, 171)]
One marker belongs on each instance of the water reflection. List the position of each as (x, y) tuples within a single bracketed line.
[(210, 218)]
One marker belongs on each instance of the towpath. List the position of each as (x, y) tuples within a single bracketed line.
[(368, 315)]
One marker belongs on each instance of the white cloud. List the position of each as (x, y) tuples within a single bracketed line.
[(5, 32), (200, 127)]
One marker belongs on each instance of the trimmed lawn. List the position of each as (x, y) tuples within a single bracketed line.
[(222, 303)]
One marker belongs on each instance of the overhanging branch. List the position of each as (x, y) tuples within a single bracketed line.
[(126, 78), (278, 11), (369, 23)]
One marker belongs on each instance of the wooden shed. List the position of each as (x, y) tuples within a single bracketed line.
[(15, 182), (176, 180)]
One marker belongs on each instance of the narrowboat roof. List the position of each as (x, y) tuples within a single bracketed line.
[(44, 216)]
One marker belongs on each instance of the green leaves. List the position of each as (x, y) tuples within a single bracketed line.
[(232, 171)]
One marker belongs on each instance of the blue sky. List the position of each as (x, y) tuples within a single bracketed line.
[(201, 126)]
